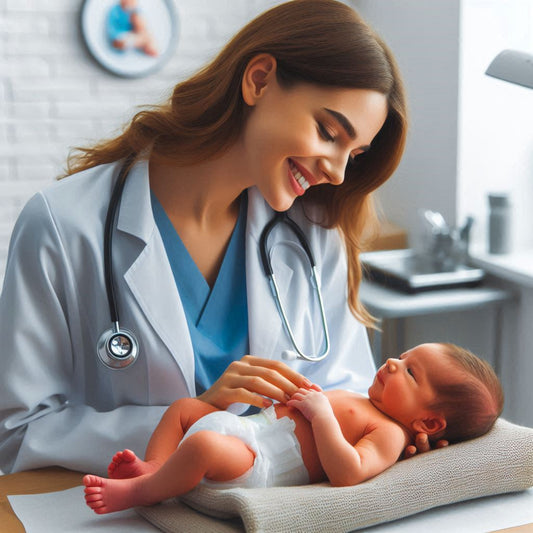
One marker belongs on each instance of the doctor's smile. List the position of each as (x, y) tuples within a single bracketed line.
[(298, 181)]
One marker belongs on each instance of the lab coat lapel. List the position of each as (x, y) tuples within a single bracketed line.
[(159, 301), (265, 325)]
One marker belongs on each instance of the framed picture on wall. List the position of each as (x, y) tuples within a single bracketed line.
[(130, 38)]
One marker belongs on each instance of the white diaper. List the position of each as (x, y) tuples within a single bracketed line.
[(278, 457)]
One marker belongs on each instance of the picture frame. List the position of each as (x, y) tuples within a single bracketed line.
[(129, 38)]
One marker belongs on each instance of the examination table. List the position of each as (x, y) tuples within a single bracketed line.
[(497, 463)]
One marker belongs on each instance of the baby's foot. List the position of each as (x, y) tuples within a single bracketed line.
[(109, 495), (126, 465)]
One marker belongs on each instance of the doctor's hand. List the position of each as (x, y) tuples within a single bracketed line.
[(253, 380), (422, 445)]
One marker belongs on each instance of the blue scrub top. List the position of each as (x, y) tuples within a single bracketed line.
[(217, 316)]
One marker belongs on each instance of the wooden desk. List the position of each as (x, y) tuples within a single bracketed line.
[(31, 482), (55, 479)]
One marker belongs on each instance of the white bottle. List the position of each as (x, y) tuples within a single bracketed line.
[(499, 223)]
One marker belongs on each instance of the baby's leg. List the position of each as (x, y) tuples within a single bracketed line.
[(178, 418), (204, 454)]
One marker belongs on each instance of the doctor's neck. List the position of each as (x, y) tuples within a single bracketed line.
[(206, 192)]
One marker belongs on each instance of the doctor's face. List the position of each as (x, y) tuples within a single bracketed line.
[(304, 136)]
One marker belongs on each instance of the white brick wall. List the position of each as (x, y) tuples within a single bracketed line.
[(53, 96)]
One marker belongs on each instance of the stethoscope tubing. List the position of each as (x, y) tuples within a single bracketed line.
[(117, 348), (111, 216), (283, 218)]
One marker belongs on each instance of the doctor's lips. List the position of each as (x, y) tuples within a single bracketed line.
[(304, 178)]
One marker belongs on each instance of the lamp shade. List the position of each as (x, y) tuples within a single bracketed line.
[(513, 66)]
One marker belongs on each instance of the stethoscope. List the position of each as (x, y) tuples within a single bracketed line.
[(297, 353), (118, 347)]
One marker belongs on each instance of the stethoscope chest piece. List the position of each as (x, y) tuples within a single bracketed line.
[(117, 348)]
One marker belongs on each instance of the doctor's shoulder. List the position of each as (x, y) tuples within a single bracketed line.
[(64, 212), (78, 200)]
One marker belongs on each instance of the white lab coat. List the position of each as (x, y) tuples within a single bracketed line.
[(58, 404)]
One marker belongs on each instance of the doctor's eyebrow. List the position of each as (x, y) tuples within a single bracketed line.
[(346, 125), (343, 121)]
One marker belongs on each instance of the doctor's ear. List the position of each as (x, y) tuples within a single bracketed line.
[(430, 425), (259, 72)]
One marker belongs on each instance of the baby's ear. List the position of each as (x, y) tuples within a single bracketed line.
[(430, 425)]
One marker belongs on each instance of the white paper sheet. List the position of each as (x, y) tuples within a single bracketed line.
[(65, 512), (472, 516)]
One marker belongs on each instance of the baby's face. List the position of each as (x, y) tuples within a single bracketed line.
[(403, 388)]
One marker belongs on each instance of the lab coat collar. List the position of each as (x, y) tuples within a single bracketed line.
[(264, 322), (259, 213), (135, 214), (160, 302)]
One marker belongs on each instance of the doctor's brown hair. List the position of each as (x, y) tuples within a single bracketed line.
[(322, 42)]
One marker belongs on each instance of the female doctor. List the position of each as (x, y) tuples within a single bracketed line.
[(302, 111)]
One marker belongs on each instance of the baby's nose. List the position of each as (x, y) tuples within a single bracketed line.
[(391, 365)]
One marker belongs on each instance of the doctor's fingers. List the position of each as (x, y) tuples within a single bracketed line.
[(276, 373), (255, 388), (421, 445), (275, 369), (252, 390), (247, 385), (250, 379)]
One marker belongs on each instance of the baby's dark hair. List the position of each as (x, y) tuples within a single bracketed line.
[(472, 405)]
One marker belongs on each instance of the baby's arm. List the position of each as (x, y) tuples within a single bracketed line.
[(346, 464)]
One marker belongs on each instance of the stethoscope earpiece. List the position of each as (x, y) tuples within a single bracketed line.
[(117, 348)]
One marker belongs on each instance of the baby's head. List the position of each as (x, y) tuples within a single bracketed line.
[(439, 389), (472, 404)]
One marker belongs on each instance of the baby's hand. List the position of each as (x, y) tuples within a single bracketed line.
[(310, 402)]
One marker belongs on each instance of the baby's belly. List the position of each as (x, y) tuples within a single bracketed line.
[(304, 434)]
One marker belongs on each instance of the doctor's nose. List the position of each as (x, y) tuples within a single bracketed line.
[(334, 169)]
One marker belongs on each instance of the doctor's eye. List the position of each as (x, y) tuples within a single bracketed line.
[(355, 157), (356, 154), (352, 157), (325, 133)]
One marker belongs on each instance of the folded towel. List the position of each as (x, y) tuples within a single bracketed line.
[(500, 461)]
